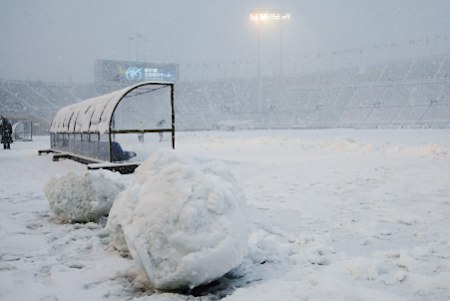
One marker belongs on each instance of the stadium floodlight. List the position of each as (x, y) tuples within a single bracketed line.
[(260, 17), (267, 16)]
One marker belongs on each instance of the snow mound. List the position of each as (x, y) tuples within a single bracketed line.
[(182, 220), (436, 150), (82, 198)]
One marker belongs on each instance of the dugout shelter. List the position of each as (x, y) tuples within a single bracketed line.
[(104, 128)]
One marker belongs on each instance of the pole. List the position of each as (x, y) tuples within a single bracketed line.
[(258, 51), (172, 108), (258, 58), (129, 48), (137, 49), (281, 49)]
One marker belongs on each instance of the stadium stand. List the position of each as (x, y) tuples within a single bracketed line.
[(405, 93)]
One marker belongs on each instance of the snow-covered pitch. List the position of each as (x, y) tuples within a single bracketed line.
[(332, 215)]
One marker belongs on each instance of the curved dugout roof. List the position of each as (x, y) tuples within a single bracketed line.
[(93, 115)]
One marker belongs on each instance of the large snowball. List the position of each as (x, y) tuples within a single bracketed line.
[(82, 198), (182, 221)]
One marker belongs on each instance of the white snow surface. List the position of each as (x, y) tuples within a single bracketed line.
[(333, 215), (84, 197), (182, 220)]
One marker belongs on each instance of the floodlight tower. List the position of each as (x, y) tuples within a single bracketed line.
[(268, 17)]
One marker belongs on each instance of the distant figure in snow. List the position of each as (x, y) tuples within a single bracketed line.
[(141, 135), (6, 134), (160, 125)]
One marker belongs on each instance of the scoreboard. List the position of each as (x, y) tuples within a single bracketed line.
[(126, 71)]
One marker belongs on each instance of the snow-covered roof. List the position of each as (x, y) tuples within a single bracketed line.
[(92, 115)]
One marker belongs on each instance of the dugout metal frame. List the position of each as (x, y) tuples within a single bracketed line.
[(85, 131), (23, 130)]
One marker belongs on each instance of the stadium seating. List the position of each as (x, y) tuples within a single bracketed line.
[(404, 93)]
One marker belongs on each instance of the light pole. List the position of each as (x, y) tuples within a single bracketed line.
[(258, 50), (281, 50), (129, 47), (138, 37), (266, 17)]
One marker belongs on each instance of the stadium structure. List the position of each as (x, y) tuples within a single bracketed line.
[(402, 93)]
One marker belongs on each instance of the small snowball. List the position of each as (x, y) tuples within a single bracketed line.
[(182, 221), (82, 198)]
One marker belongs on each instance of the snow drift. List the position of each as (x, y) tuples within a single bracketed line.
[(82, 198), (182, 221)]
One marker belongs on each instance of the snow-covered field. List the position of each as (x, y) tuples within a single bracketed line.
[(333, 215)]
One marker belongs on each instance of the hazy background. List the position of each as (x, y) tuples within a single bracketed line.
[(58, 40)]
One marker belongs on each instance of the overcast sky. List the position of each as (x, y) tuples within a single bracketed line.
[(54, 40)]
